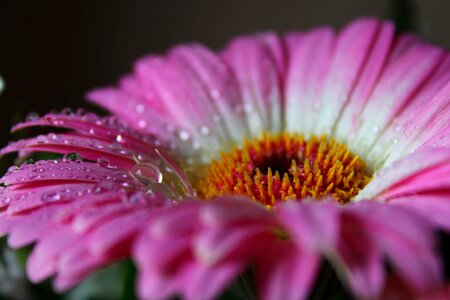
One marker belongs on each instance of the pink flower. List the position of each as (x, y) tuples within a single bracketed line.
[(275, 154)]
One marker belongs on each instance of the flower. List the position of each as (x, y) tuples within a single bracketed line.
[(274, 154)]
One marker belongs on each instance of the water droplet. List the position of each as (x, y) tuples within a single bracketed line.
[(147, 173), (99, 189), (13, 169), (6, 200), (72, 157), (142, 123), (137, 198), (204, 130), (215, 94), (41, 139), (103, 162), (140, 108), (33, 176), (81, 112), (119, 138), (29, 161), (67, 111), (115, 147), (51, 197), (52, 136), (38, 170), (32, 116), (184, 135)]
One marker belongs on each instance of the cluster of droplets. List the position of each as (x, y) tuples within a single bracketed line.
[(117, 129), (154, 174), (72, 141), (161, 178), (92, 178)]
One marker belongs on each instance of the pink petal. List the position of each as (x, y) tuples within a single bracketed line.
[(377, 55), (227, 210), (435, 207), (124, 227), (113, 99), (154, 285), (309, 58), (406, 167), (254, 66), (216, 244), (199, 282), (88, 147), (286, 272), (312, 225), (408, 243), (394, 92), (42, 262), (352, 48), (218, 87), (104, 128), (360, 260)]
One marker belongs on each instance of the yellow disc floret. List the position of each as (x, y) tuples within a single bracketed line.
[(286, 166)]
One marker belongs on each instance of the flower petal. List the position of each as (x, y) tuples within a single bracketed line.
[(255, 68), (286, 272), (309, 58)]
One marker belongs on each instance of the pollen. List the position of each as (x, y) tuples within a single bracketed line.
[(286, 166)]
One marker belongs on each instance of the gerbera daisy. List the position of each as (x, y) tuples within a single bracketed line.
[(271, 156)]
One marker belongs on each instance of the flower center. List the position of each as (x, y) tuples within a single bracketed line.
[(286, 166)]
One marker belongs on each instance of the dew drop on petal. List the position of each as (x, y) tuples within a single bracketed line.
[(136, 198), (72, 157), (147, 173), (81, 112), (204, 130), (41, 139), (215, 94), (33, 176), (196, 145), (140, 108), (13, 169), (67, 111), (6, 200), (119, 138), (29, 161), (103, 162), (52, 136), (32, 116), (142, 123), (184, 135), (51, 197)]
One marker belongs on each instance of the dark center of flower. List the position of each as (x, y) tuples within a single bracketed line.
[(286, 166)]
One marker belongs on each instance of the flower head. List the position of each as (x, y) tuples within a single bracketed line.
[(274, 154)]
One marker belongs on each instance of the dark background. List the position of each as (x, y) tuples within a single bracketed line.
[(52, 52)]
